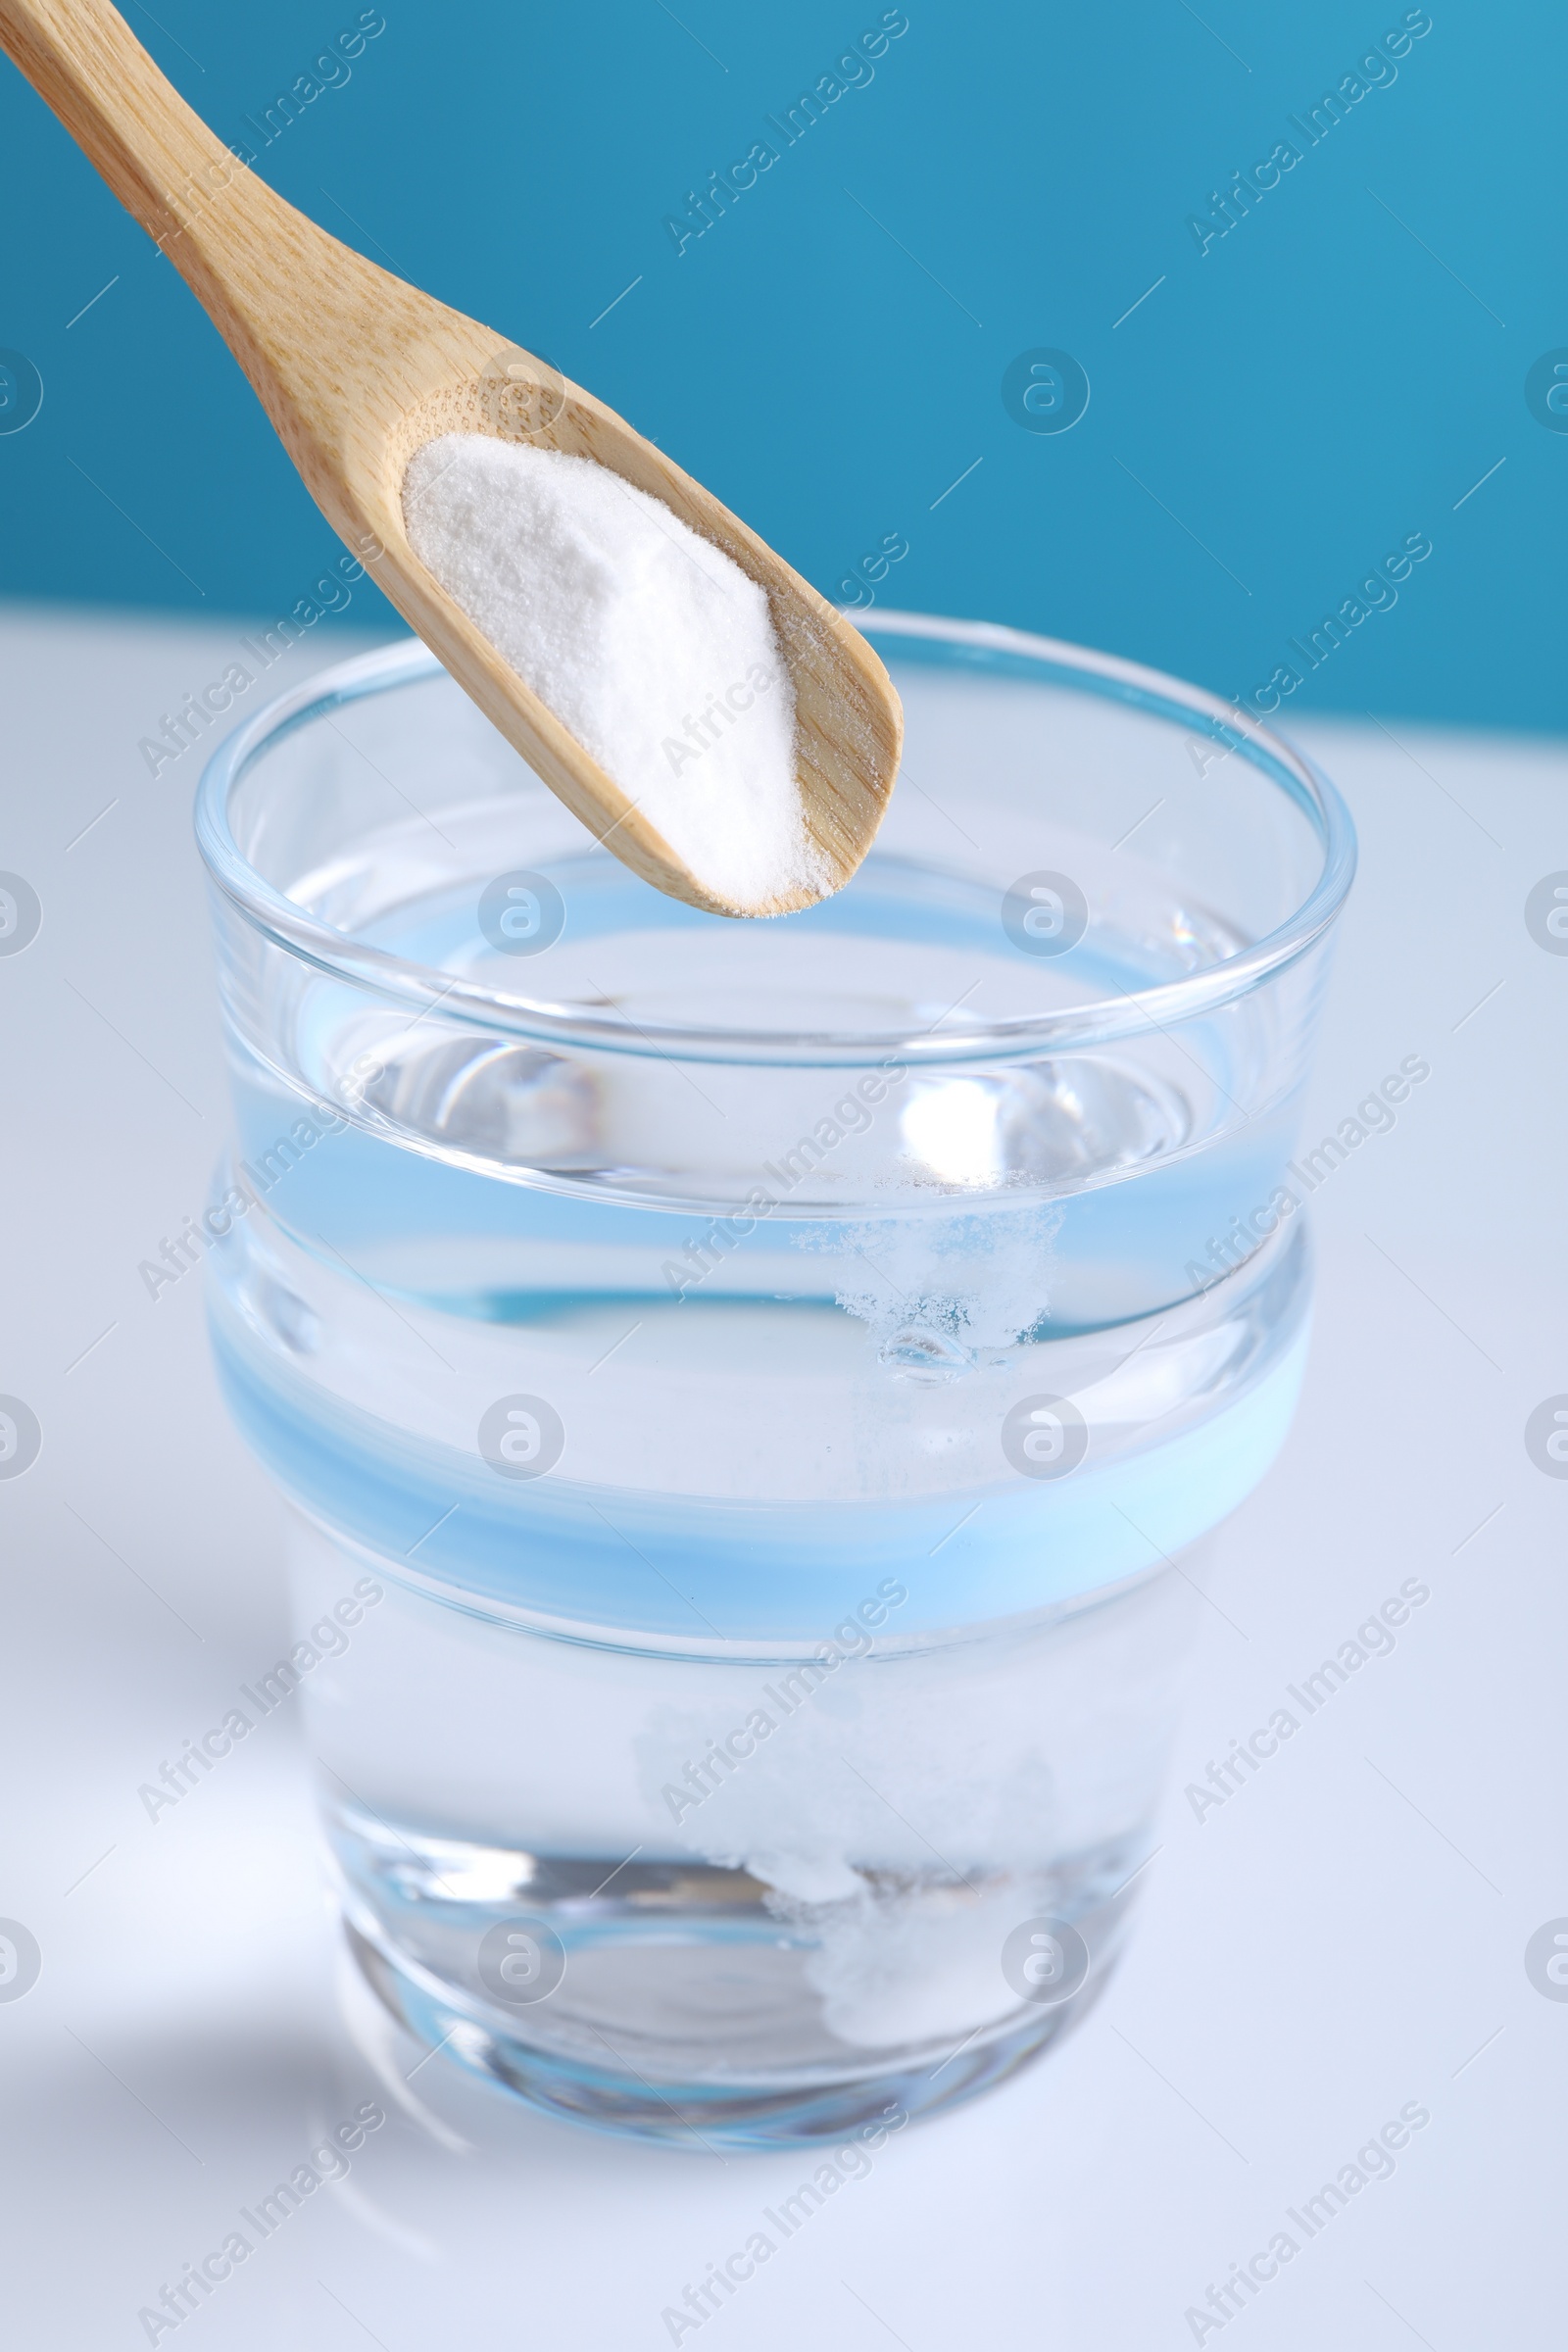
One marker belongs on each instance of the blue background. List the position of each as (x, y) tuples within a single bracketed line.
[(1268, 424)]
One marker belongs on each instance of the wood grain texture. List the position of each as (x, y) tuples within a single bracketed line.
[(356, 370)]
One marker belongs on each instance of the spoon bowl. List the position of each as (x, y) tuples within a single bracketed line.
[(358, 369)]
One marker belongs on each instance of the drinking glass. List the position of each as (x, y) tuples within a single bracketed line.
[(747, 1394)]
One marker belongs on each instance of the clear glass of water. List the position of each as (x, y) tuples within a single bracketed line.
[(747, 1394)]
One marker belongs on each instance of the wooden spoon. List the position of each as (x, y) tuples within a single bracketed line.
[(356, 370)]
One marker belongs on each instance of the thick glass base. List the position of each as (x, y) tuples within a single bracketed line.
[(699, 2115), (682, 2008)]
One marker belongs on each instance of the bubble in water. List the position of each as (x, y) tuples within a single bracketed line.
[(501, 1101), (926, 1357), (297, 1325)]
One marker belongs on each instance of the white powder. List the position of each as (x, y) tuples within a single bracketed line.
[(647, 643)]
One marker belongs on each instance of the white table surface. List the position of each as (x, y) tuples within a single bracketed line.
[(1344, 1937)]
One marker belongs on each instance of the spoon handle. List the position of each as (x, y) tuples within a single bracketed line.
[(197, 202), (280, 290)]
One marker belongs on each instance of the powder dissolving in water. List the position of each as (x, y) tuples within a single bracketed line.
[(649, 643)]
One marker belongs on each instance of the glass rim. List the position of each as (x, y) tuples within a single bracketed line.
[(1000, 650)]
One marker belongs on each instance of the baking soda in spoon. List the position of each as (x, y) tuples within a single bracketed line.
[(646, 641), (355, 368)]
